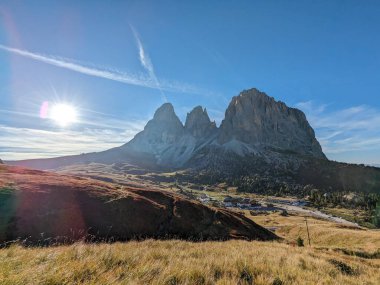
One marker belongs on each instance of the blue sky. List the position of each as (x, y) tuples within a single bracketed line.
[(117, 61)]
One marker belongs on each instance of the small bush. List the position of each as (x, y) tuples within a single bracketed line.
[(246, 276), (172, 280), (277, 281), (300, 241), (217, 272), (197, 278)]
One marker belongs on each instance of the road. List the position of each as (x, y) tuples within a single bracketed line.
[(316, 213)]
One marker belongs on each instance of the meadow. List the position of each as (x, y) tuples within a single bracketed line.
[(337, 256)]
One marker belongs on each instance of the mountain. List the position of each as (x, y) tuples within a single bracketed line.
[(198, 123), (261, 143), (38, 206), (258, 121), (254, 124)]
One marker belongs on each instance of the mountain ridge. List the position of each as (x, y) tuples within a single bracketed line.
[(259, 136), (253, 123)]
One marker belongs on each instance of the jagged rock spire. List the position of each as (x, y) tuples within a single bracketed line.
[(198, 123)]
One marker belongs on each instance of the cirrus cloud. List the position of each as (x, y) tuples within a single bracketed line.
[(349, 130)]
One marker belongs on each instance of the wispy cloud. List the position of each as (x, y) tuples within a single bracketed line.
[(98, 134), (41, 143), (345, 130), (149, 81), (144, 58), (146, 62)]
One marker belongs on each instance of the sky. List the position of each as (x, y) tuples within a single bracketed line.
[(116, 62)]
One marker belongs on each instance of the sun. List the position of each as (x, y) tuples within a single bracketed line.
[(63, 114)]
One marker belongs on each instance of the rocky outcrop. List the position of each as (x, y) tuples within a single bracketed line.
[(258, 120), (171, 143), (161, 137), (47, 207), (164, 129), (198, 123)]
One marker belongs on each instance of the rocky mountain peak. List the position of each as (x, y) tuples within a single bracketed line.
[(198, 123), (165, 112), (165, 119), (159, 133), (254, 118)]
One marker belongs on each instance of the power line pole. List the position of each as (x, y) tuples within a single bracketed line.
[(307, 228)]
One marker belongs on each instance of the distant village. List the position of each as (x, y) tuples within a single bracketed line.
[(250, 204)]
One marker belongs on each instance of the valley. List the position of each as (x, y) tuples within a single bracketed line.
[(339, 252), (214, 194)]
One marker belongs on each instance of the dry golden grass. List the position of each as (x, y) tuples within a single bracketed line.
[(180, 262), (323, 233)]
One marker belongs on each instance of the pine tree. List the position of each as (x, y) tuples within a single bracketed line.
[(376, 217)]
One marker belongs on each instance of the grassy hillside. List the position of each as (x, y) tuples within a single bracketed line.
[(180, 262), (47, 207), (322, 233), (337, 256)]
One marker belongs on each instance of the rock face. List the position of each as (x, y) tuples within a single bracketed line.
[(258, 120), (164, 137), (198, 123), (171, 143), (48, 207), (163, 130)]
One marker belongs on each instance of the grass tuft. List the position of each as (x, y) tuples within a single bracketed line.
[(277, 281), (246, 275), (343, 267)]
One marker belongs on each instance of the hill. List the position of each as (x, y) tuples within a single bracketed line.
[(337, 256), (44, 207)]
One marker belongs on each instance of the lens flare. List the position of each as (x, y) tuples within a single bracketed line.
[(44, 110), (63, 114)]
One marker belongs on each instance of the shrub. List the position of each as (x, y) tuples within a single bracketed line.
[(300, 241), (246, 275), (197, 278), (277, 281), (172, 280)]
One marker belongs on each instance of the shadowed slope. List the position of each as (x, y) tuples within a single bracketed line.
[(39, 205)]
